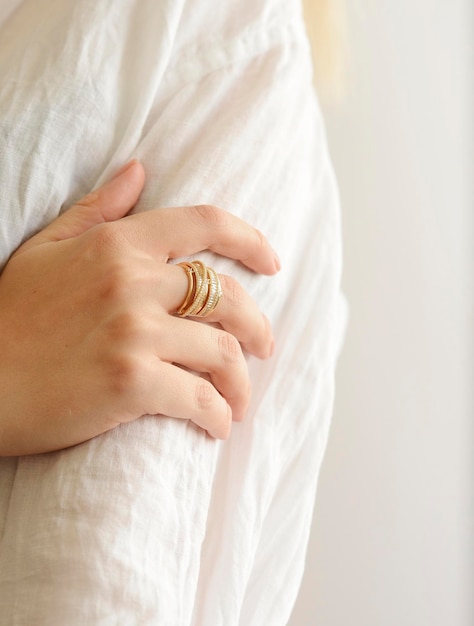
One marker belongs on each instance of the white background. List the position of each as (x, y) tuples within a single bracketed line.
[(392, 535)]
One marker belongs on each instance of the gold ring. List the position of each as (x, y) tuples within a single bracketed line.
[(204, 290)]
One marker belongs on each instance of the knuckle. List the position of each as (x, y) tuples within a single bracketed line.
[(233, 291), (123, 327), (207, 215), (124, 374), (118, 281), (229, 348), (90, 201), (106, 238), (204, 395)]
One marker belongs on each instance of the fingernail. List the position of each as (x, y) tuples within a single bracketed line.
[(123, 169), (276, 260)]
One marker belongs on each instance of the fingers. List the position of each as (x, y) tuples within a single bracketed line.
[(187, 396), (236, 311), (239, 315), (108, 203), (206, 349), (183, 231)]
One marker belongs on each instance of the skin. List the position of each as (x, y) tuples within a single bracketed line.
[(89, 339)]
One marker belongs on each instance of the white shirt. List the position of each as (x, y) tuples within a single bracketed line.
[(155, 523)]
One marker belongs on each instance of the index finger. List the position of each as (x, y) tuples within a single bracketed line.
[(183, 231)]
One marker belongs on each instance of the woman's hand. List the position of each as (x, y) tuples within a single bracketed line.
[(89, 339)]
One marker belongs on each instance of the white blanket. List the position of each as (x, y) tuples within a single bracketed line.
[(156, 523)]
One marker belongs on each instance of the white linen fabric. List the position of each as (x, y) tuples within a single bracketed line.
[(155, 522)]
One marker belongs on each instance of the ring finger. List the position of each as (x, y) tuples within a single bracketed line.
[(236, 311)]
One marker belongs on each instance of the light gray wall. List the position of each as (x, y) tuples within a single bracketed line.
[(392, 536)]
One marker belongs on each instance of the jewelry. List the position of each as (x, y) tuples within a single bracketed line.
[(204, 290)]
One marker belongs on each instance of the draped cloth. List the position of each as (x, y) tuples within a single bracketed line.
[(155, 523)]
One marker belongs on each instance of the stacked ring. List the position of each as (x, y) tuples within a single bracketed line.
[(204, 290)]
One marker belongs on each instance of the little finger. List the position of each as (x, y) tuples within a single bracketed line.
[(184, 395), (206, 349)]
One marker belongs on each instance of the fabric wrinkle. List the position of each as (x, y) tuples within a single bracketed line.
[(155, 522)]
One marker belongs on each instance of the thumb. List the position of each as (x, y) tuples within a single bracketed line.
[(105, 204)]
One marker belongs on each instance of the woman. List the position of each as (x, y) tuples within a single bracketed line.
[(154, 522)]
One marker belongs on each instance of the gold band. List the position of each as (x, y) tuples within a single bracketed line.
[(204, 290), (189, 269), (214, 293)]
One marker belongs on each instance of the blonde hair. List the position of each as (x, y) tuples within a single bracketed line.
[(326, 27)]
